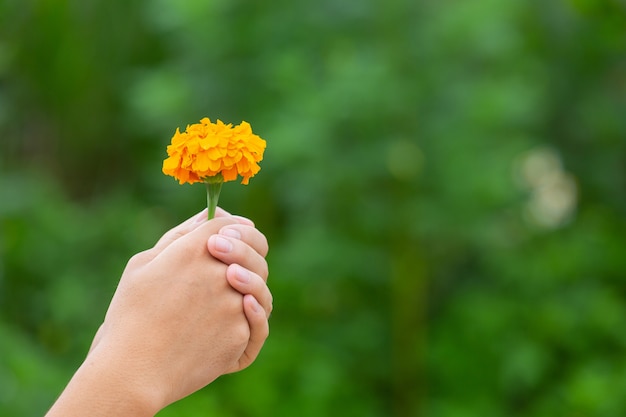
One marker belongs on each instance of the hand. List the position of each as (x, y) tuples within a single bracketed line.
[(243, 248), (175, 324)]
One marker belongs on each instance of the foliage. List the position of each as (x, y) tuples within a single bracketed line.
[(443, 192)]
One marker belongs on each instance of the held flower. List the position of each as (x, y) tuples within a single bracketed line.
[(214, 153)]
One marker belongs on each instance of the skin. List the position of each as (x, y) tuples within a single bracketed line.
[(192, 308)]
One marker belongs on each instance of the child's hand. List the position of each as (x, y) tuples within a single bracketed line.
[(175, 324)]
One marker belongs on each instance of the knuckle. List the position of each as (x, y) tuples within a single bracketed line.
[(260, 241), (264, 332), (139, 259), (265, 247), (270, 309), (264, 270), (241, 333), (270, 299)]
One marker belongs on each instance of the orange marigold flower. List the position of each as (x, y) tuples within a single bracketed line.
[(208, 149)]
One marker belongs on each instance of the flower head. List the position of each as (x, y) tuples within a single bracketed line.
[(207, 149)]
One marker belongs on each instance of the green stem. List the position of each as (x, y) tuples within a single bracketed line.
[(213, 188)]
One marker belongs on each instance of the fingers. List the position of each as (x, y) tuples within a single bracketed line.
[(247, 282), (191, 224), (243, 245), (249, 235), (220, 212), (259, 330), (180, 230)]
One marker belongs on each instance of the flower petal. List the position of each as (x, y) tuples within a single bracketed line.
[(206, 149)]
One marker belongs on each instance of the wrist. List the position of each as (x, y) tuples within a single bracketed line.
[(102, 387)]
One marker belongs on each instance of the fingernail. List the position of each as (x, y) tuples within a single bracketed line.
[(230, 232), (222, 245), (241, 274)]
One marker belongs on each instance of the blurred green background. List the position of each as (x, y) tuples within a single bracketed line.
[(444, 192)]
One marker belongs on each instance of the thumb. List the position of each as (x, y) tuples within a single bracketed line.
[(181, 230)]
